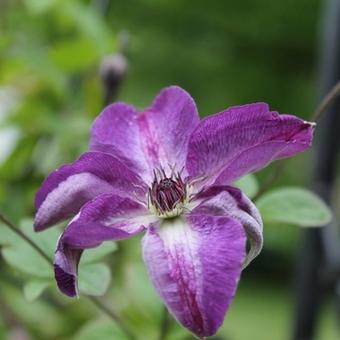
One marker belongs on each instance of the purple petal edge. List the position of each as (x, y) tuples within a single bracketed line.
[(66, 189), (107, 217), (243, 139), (230, 201)]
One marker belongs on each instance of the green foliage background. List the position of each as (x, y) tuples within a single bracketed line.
[(224, 53)]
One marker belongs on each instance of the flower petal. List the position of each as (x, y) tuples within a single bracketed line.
[(172, 117), (66, 189), (231, 202), (244, 139), (156, 137), (195, 265), (116, 131), (107, 217)]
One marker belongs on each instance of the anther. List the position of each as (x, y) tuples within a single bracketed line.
[(167, 195)]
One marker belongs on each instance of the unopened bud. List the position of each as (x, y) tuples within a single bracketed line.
[(112, 71)]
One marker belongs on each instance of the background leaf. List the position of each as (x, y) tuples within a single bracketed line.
[(95, 254), (294, 205), (97, 330), (22, 256), (248, 184), (94, 279), (38, 6), (34, 288), (74, 55)]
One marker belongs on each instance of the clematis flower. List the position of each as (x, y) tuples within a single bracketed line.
[(166, 173)]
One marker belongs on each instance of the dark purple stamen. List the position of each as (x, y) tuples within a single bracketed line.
[(167, 192)]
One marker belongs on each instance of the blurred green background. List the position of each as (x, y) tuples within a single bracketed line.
[(224, 53)]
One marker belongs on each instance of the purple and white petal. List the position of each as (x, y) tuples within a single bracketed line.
[(171, 119), (66, 189), (231, 202), (243, 139), (195, 265), (116, 131), (107, 217), (66, 262), (155, 137)]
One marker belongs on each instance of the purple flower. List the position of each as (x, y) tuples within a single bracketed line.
[(168, 174)]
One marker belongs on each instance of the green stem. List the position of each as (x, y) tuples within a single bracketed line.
[(112, 315), (327, 101), (15, 229), (94, 300)]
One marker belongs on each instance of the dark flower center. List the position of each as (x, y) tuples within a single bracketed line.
[(167, 195)]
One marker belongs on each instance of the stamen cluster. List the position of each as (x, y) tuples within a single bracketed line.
[(167, 195)]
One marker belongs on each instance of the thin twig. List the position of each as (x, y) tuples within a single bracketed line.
[(164, 326), (327, 101), (112, 315), (94, 300), (14, 228)]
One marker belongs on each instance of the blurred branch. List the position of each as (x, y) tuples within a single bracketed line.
[(94, 300), (112, 315), (327, 102), (14, 228), (318, 260)]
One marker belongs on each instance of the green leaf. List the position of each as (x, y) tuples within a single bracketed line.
[(90, 24), (39, 6), (294, 205), (94, 279), (100, 330), (22, 255), (74, 55), (34, 288), (95, 254), (248, 184)]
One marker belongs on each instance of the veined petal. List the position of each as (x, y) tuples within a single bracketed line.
[(243, 139), (66, 189), (107, 217), (231, 202), (155, 137), (195, 265), (171, 118), (116, 131)]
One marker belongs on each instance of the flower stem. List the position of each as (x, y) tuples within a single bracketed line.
[(112, 315), (327, 101), (14, 228), (94, 300), (164, 326)]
